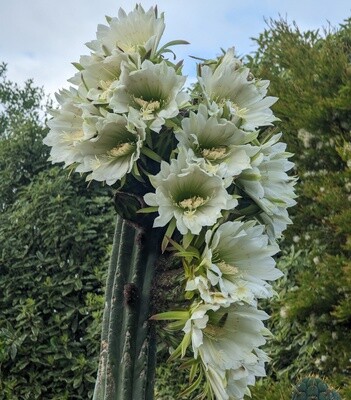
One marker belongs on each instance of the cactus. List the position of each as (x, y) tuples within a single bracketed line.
[(314, 389), (128, 349)]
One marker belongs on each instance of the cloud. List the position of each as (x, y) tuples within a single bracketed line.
[(40, 38)]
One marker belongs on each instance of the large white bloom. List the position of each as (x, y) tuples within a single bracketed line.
[(72, 124), (230, 91), (230, 346), (239, 261), (98, 76), (136, 32), (226, 340), (230, 336), (218, 142), (268, 184), (239, 379), (154, 90), (233, 384), (112, 153), (189, 194)]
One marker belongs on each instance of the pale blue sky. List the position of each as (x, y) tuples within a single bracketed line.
[(40, 38)]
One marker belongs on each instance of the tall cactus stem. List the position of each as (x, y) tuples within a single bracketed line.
[(128, 348)]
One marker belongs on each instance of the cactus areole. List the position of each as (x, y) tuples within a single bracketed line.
[(202, 193)]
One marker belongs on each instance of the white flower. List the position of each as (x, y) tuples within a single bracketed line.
[(112, 153), (154, 90), (229, 90), (72, 124), (268, 184), (218, 142), (239, 379), (226, 340), (98, 76), (230, 336), (190, 195), (236, 264), (138, 31), (233, 384), (197, 323), (208, 293)]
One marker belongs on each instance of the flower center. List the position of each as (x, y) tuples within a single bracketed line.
[(147, 108), (106, 90), (214, 153), (192, 203), (73, 137), (121, 150), (233, 108), (227, 269), (236, 111), (242, 290)]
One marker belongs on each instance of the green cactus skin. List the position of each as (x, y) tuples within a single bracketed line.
[(128, 344), (314, 389)]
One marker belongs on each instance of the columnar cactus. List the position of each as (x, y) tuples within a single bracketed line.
[(127, 357), (200, 177), (314, 389)]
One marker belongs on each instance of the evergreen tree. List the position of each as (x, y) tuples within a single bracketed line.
[(310, 72), (54, 234)]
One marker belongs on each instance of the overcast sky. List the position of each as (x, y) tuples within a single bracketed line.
[(40, 38)]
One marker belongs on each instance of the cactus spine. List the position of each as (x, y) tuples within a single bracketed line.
[(128, 349)]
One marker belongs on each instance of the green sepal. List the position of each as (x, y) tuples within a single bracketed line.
[(175, 326), (147, 210), (78, 66), (171, 315), (176, 354), (193, 386), (185, 343), (187, 238), (169, 232), (193, 371), (188, 363), (150, 154), (171, 43)]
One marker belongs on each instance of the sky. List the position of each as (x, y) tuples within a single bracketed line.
[(40, 38)]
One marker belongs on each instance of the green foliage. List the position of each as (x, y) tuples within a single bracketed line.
[(53, 234), (170, 381), (269, 389), (22, 154), (310, 72)]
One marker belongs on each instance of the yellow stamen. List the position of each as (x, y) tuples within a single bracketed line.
[(192, 203), (227, 269), (147, 108), (215, 153), (121, 149), (73, 137)]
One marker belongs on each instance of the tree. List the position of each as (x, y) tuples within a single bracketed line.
[(310, 72), (54, 235)]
